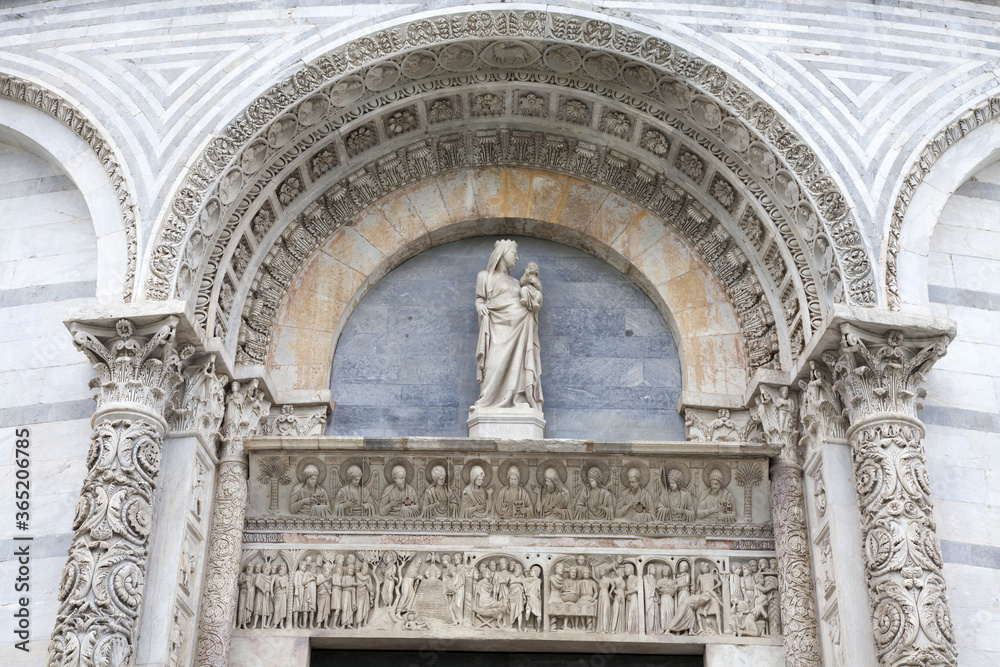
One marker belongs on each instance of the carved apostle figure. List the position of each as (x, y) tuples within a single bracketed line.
[(399, 499), (676, 503), (308, 497), (439, 501), (349, 500), (476, 502), (595, 503), (716, 503), (513, 501), (634, 503), (553, 499), (508, 364)]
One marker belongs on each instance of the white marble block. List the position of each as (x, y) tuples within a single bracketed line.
[(510, 423)]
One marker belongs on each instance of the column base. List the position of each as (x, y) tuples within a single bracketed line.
[(518, 423)]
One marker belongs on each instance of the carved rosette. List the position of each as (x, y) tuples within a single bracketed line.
[(245, 415), (776, 411), (879, 378), (101, 589)]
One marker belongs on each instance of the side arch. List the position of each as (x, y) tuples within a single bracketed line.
[(948, 160), (26, 125)]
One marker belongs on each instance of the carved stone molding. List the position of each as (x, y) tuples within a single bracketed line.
[(445, 492), (245, 415), (880, 378), (55, 106), (101, 589), (620, 88), (296, 420), (935, 148)]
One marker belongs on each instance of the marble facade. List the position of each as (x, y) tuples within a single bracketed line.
[(742, 323)]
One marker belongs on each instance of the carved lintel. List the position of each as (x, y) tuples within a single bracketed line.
[(880, 377), (101, 589)]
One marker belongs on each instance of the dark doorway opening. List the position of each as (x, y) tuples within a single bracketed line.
[(331, 658)]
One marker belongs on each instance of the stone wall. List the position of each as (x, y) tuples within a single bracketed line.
[(963, 411), (48, 263), (405, 363)]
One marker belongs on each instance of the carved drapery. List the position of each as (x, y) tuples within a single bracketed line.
[(101, 589), (776, 410), (879, 378), (245, 415)]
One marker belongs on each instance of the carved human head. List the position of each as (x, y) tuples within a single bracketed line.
[(458, 558), (738, 571), (399, 476), (594, 476), (531, 269), (504, 255), (773, 564), (560, 568), (783, 392), (674, 478), (573, 572), (551, 475), (581, 560), (446, 559), (763, 564), (652, 569), (339, 558), (753, 566), (634, 476), (311, 474), (683, 566), (513, 476), (350, 569), (585, 572), (477, 475), (257, 567), (354, 475), (493, 566), (438, 474), (715, 479), (282, 569), (704, 568), (629, 569), (666, 570), (536, 571), (351, 559)]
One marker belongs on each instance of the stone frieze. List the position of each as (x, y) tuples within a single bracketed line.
[(476, 592), (570, 492)]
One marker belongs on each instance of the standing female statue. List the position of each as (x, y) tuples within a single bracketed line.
[(508, 364)]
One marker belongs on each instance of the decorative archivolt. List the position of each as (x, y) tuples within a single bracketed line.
[(55, 106), (578, 96)]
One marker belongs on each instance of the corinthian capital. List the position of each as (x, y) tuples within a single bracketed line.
[(776, 410), (883, 373), (246, 416), (137, 368)]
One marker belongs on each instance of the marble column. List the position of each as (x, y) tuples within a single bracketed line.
[(776, 411), (246, 414), (101, 590), (879, 376)]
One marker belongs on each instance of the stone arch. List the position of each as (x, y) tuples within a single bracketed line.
[(574, 95), (45, 123), (947, 161), (335, 276)]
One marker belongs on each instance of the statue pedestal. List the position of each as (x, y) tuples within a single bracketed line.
[(520, 423)]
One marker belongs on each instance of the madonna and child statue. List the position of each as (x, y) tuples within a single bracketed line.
[(508, 363)]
